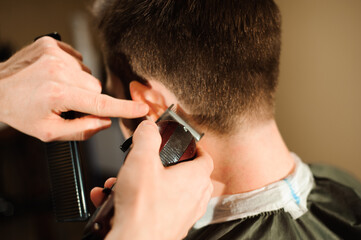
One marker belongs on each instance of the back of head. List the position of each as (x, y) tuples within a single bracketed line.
[(219, 58)]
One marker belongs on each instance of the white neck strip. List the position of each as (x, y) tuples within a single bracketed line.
[(289, 194)]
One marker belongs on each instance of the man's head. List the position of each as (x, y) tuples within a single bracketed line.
[(219, 58)]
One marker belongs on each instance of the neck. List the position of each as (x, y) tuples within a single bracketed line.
[(248, 160)]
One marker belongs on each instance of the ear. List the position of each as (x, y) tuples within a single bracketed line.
[(153, 97)]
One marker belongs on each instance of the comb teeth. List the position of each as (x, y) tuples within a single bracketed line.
[(66, 182)]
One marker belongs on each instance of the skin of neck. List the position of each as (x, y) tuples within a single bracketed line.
[(249, 159)]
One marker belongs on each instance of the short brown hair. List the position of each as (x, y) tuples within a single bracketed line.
[(219, 58)]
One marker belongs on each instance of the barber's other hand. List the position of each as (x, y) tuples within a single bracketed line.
[(153, 202), (47, 78)]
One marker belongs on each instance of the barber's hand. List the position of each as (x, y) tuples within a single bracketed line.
[(153, 202), (47, 78)]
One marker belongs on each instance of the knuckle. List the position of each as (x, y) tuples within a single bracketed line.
[(211, 165), (203, 175), (139, 154), (206, 182), (56, 65), (100, 104), (208, 161), (98, 87), (53, 66), (210, 185), (46, 136), (55, 92), (45, 42), (50, 50), (157, 139), (94, 84), (84, 135)]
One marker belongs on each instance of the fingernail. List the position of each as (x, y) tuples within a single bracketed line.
[(143, 108), (149, 123), (104, 122)]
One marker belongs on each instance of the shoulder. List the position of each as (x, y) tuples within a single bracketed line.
[(334, 204), (335, 175)]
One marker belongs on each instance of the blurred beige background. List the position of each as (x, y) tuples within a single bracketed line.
[(320, 77), (318, 102), (21, 20)]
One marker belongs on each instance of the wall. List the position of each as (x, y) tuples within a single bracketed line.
[(318, 103), (21, 20)]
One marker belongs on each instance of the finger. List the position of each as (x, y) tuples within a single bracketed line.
[(76, 129), (75, 62), (103, 105), (204, 160), (64, 72), (70, 50), (206, 196), (146, 144), (74, 53), (97, 196), (210, 190), (84, 67), (56, 48), (46, 43), (84, 81), (79, 63), (70, 59), (110, 182), (147, 138)]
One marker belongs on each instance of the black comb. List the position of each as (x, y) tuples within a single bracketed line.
[(67, 186)]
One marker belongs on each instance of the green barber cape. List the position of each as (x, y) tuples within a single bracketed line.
[(334, 212)]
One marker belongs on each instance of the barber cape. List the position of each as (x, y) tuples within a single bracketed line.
[(314, 202)]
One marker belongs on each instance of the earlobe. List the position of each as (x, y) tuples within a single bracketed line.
[(155, 100)]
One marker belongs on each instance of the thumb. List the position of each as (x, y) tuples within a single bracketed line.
[(76, 129), (146, 144)]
